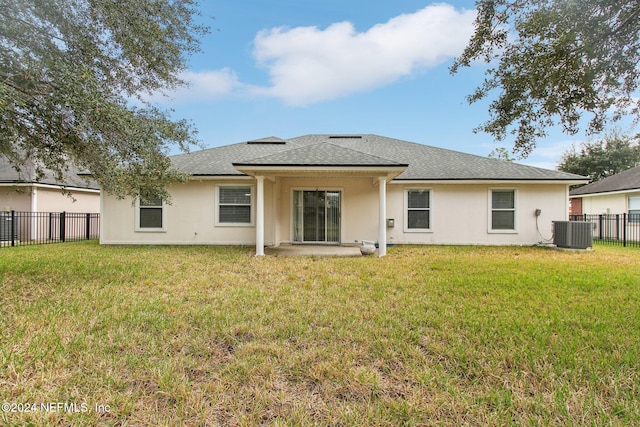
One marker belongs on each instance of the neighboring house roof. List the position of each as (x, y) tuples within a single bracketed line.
[(627, 180), (422, 162), (27, 175)]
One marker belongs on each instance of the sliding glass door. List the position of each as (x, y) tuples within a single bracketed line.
[(316, 216)]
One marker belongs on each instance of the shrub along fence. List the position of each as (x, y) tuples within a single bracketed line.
[(35, 228), (615, 229)]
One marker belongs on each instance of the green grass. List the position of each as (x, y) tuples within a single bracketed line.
[(425, 336)]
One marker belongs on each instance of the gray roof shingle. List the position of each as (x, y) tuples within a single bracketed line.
[(219, 160), (424, 162), (27, 175), (320, 154), (627, 180)]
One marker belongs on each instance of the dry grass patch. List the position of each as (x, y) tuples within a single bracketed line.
[(425, 336)]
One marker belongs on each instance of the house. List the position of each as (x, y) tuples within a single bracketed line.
[(342, 189), (23, 191), (42, 208), (617, 194)]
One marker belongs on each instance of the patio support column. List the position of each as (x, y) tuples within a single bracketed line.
[(260, 216), (382, 218)]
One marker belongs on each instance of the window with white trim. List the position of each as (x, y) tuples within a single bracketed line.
[(503, 210), (150, 214), (634, 209), (234, 204), (418, 209)]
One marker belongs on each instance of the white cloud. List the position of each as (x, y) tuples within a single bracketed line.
[(308, 65), (211, 83), (208, 85), (201, 85)]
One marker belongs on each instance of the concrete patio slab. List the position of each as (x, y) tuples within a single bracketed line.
[(315, 250)]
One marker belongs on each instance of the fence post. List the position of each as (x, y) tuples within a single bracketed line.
[(13, 227), (600, 223), (624, 230), (62, 227), (88, 227)]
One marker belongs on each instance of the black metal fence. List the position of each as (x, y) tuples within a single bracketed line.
[(36, 228), (618, 229)]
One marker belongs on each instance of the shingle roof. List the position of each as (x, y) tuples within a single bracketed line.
[(219, 160), (27, 175), (627, 180), (320, 154), (424, 162)]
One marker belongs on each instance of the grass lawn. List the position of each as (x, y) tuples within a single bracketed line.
[(213, 336)]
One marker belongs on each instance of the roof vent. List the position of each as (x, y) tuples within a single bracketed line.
[(272, 140), (345, 137)]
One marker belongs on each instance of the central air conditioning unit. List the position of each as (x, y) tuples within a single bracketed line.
[(7, 228), (572, 234)]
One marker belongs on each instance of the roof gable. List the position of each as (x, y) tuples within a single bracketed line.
[(320, 154)]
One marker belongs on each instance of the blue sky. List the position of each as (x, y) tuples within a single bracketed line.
[(292, 67)]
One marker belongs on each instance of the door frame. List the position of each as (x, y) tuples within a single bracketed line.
[(293, 209)]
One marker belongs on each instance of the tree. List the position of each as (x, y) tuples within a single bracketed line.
[(71, 75), (555, 61), (611, 155), (501, 153)]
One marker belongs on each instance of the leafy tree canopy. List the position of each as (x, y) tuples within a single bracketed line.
[(69, 73), (555, 61), (611, 155)]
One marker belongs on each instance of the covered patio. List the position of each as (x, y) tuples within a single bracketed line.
[(322, 161)]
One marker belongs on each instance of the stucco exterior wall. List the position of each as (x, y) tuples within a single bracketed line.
[(52, 200), (48, 199), (19, 201), (190, 218), (460, 214), (606, 204)]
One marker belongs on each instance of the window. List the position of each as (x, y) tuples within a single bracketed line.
[(634, 209), (503, 210), (150, 215), (234, 205), (418, 213)]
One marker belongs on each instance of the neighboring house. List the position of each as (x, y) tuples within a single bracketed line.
[(617, 194), (342, 189), (22, 191)]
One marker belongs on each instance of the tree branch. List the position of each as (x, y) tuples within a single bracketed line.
[(22, 90), (33, 26), (626, 22)]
